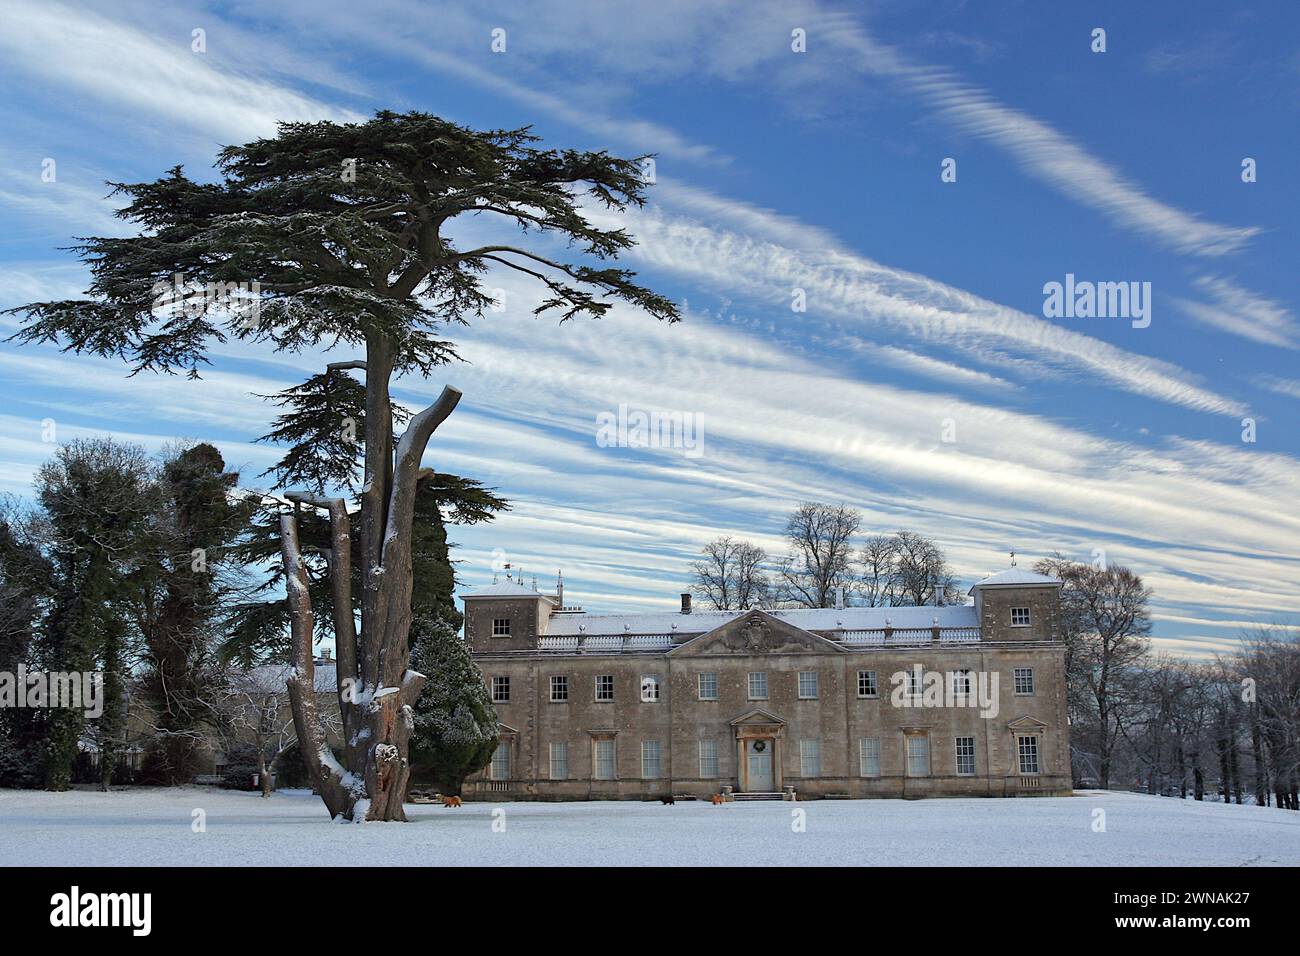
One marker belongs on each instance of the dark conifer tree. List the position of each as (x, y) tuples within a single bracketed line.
[(345, 231)]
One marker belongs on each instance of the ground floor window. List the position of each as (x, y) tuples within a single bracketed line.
[(708, 759), (604, 760), (560, 760), (500, 768), (965, 747), (869, 756), (650, 762), (918, 756), (810, 758), (1028, 754)]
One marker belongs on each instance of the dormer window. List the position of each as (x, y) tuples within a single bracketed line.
[(501, 627), (1020, 617)]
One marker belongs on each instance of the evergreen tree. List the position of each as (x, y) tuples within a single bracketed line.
[(97, 496), (344, 228), (456, 723), (179, 596), (26, 587)]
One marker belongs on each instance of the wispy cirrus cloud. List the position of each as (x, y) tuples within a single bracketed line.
[(1290, 387), (1242, 313), (132, 69), (845, 285), (1041, 150)]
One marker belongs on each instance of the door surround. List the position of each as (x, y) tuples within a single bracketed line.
[(753, 726)]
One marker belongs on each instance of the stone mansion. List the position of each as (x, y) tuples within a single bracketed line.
[(963, 700)]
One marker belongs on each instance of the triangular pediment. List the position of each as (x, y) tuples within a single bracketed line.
[(757, 716), (756, 633), (1026, 724)]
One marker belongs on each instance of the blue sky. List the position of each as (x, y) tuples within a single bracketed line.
[(775, 171)]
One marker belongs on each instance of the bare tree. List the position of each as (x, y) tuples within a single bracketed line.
[(820, 556), (1106, 617), (905, 568), (250, 710), (1268, 671), (730, 574), (921, 572), (877, 559)]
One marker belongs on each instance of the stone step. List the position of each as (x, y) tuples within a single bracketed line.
[(758, 795)]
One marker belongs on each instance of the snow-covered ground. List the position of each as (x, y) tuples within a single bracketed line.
[(153, 826)]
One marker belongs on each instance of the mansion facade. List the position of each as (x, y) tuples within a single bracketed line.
[(965, 700)]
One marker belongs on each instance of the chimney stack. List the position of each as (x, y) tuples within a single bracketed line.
[(839, 599), (686, 604)]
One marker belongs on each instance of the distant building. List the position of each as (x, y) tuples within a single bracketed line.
[(842, 701)]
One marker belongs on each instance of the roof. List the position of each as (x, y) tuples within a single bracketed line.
[(1015, 577), (274, 678), (810, 619), (506, 589)]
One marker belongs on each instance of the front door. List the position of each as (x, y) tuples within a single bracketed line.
[(758, 756)]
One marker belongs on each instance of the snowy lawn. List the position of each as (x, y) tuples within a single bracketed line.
[(153, 826)]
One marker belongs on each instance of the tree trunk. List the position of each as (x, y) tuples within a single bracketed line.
[(1225, 774), (376, 688), (1234, 766), (1257, 749), (112, 719)]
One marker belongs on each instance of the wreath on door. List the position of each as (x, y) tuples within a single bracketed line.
[(760, 746)]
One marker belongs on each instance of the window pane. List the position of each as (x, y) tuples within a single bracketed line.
[(501, 689), (807, 684), (867, 684), (810, 758), (559, 688), (605, 687), (708, 686), (758, 685), (560, 760), (918, 756), (649, 688), (869, 753), (965, 747), (1028, 754), (650, 759), (604, 760), (500, 767), (1024, 680), (708, 758)]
